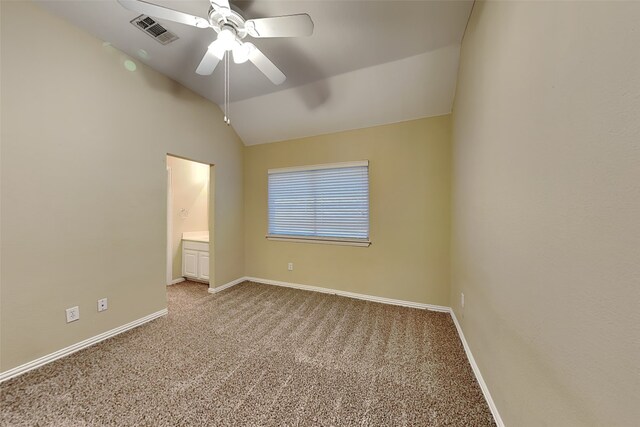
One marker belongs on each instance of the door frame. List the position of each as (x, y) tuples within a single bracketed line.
[(169, 272)]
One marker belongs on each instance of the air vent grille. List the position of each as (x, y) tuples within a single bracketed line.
[(153, 29)]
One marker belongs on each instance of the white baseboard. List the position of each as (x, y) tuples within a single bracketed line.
[(476, 371), (176, 281), (351, 294), (18, 370), (227, 285)]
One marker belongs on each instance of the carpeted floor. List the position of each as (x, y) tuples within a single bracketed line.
[(259, 355)]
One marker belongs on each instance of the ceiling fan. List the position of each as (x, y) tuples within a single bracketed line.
[(232, 28)]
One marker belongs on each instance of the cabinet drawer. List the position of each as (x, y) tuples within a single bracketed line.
[(195, 246)]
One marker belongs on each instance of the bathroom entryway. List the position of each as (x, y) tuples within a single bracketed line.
[(188, 205)]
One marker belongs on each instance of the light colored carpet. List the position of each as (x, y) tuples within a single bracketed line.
[(260, 355)]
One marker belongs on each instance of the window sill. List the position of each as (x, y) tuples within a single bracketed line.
[(320, 240)]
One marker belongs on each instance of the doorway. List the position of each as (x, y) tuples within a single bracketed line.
[(188, 206)]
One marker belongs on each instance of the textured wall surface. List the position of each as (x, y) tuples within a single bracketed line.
[(84, 212), (409, 185), (546, 209)]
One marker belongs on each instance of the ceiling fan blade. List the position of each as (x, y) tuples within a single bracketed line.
[(210, 60), (220, 3), (208, 64), (265, 65), (160, 12), (280, 26)]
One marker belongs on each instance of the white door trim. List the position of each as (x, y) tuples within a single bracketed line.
[(169, 280)]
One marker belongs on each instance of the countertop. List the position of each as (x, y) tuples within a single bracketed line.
[(196, 236)]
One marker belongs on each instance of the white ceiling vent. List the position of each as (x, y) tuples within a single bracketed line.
[(155, 30)]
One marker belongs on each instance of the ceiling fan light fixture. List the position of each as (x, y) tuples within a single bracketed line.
[(217, 49), (241, 53), (227, 38)]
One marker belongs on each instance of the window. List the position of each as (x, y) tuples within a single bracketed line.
[(322, 203)]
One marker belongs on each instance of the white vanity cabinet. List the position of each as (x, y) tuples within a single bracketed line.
[(195, 260), (203, 265)]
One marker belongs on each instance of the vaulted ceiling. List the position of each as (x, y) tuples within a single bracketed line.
[(367, 62)]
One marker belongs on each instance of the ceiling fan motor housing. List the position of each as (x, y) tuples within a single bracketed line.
[(227, 18)]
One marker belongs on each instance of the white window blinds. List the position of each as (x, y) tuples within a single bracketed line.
[(323, 201)]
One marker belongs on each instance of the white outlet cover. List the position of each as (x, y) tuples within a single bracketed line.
[(290, 266), (73, 314), (103, 304)]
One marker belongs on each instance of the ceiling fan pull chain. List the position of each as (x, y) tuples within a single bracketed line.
[(228, 88), (225, 88)]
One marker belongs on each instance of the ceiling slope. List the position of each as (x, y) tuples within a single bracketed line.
[(382, 94), (367, 62)]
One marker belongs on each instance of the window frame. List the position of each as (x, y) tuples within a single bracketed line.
[(345, 241)]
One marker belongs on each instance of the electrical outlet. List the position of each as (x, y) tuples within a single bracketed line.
[(102, 304), (290, 266), (462, 299), (73, 314)]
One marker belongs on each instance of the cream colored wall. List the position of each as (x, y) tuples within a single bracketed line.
[(190, 192), (546, 209), (84, 183), (409, 213)]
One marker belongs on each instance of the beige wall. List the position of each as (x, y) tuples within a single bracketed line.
[(84, 183), (409, 213), (190, 203), (546, 209)]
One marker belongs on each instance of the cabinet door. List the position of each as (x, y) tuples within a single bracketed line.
[(190, 263), (203, 265)]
